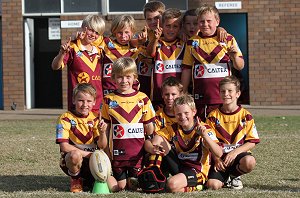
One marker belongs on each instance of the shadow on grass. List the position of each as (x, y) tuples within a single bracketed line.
[(34, 183)]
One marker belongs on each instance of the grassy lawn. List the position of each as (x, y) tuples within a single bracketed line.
[(29, 162)]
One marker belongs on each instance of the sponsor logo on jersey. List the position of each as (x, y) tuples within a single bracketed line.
[(188, 156), (83, 77), (118, 131), (128, 131), (212, 136), (168, 66), (73, 123), (79, 54), (230, 147), (86, 147), (217, 70), (107, 70), (113, 104), (144, 69)]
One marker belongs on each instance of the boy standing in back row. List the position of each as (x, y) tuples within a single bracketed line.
[(206, 61), (83, 59)]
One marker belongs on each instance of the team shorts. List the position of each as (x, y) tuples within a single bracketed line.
[(84, 170), (123, 169), (223, 176)]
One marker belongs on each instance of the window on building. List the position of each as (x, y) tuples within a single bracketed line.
[(82, 6), (117, 6), (101, 6), (42, 6)]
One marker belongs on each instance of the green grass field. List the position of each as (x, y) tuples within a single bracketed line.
[(29, 162)]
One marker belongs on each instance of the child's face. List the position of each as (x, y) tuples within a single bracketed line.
[(190, 25), (208, 24), (124, 83), (124, 35), (90, 35), (184, 116), (152, 18), (229, 94), (84, 103), (169, 94), (171, 29)]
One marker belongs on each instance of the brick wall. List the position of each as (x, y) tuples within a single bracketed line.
[(274, 50), (13, 54)]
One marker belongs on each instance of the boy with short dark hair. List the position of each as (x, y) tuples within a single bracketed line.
[(234, 127)]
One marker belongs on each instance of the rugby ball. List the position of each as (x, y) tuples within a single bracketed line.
[(100, 165)]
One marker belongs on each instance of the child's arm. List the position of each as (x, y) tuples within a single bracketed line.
[(238, 62), (213, 146), (186, 77), (103, 131), (64, 49), (230, 157), (151, 47)]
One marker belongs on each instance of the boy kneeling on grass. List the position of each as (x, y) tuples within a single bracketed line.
[(235, 129), (191, 141), (79, 133)]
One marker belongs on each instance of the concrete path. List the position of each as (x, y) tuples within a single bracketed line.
[(54, 113)]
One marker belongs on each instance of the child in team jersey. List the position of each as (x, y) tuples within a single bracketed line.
[(234, 127), (117, 46), (153, 11), (191, 141), (83, 59), (207, 60), (79, 133), (130, 116), (167, 51)]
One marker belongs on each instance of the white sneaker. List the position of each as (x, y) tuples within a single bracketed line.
[(236, 183)]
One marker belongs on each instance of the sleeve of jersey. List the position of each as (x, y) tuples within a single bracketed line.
[(233, 42), (187, 61), (104, 110), (252, 134), (149, 112), (62, 130), (166, 133)]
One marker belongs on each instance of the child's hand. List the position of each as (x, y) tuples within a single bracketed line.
[(65, 48), (158, 149), (142, 37), (157, 31), (229, 158), (102, 126), (200, 129), (222, 34), (232, 51), (219, 165)]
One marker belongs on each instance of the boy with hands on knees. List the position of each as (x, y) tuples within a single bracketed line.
[(236, 131)]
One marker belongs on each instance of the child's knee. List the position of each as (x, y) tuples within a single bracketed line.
[(248, 163), (74, 158), (214, 184)]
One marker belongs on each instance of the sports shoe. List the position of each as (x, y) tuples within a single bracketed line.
[(236, 183), (76, 185), (134, 183)]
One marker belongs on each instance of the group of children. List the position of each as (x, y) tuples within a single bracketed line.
[(114, 82)]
